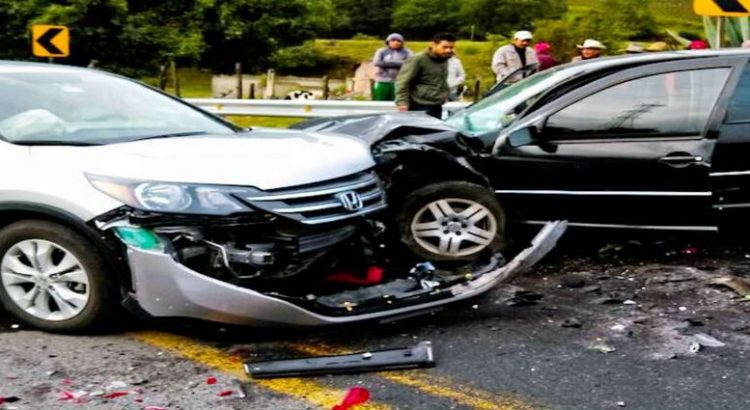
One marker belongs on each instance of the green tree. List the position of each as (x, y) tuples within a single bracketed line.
[(362, 16), (14, 18), (421, 19), (631, 19), (492, 16)]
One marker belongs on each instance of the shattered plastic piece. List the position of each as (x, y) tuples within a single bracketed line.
[(154, 408), (116, 385), (602, 346), (618, 328), (96, 393), (607, 300), (76, 395), (695, 347), (354, 397), (629, 302), (226, 393), (620, 404), (571, 322), (591, 289), (737, 284), (116, 394), (10, 399), (707, 341), (15, 326), (373, 276), (419, 356), (682, 309), (211, 380)]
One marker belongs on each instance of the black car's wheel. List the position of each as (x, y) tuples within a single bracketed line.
[(451, 221), (52, 279)]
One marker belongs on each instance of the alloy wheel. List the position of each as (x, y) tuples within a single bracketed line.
[(45, 280)]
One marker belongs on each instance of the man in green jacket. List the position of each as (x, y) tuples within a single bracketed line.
[(422, 83)]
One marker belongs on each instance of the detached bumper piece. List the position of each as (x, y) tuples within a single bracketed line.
[(419, 356)]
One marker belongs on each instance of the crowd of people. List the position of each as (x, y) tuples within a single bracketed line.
[(425, 81)]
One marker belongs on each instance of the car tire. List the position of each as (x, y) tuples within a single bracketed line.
[(73, 290), (451, 221)]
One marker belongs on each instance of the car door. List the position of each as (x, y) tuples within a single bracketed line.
[(730, 173), (630, 150)]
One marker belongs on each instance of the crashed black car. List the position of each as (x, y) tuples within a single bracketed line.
[(653, 141)]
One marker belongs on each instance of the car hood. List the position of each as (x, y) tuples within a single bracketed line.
[(373, 128), (265, 158)]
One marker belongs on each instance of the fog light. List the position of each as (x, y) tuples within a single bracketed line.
[(140, 238)]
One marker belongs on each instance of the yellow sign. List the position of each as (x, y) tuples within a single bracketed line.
[(727, 8), (50, 41)]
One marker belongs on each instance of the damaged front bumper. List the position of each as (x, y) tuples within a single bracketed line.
[(163, 287)]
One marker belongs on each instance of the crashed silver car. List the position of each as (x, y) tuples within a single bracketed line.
[(113, 193)]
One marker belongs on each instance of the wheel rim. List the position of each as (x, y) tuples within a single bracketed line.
[(45, 280), (454, 227)]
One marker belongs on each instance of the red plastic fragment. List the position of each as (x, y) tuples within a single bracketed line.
[(66, 395), (211, 380), (116, 394), (226, 393), (355, 396), (154, 408), (373, 276)]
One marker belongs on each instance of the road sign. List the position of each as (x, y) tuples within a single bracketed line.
[(727, 8), (50, 41)]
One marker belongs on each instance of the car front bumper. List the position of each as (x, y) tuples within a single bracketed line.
[(165, 288)]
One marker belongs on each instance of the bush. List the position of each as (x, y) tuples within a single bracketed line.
[(301, 60)]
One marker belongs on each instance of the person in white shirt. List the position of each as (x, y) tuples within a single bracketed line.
[(456, 78)]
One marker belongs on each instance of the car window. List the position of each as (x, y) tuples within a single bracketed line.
[(739, 108), (670, 104), (86, 106)]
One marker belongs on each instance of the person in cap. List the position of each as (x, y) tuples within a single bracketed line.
[(422, 83), (514, 56), (388, 61), (544, 55), (590, 49)]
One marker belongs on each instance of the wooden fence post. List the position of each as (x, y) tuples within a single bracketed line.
[(476, 91), (326, 88), (270, 84), (251, 95), (175, 77), (238, 73)]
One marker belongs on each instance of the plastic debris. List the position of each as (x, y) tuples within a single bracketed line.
[(630, 302), (602, 346), (15, 326), (72, 395), (354, 397), (571, 322), (154, 408), (707, 341), (620, 404), (116, 385), (373, 276), (618, 328), (10, 399), (682, 309), (116, 394), (226, 393), (211, 380), (737, 284)]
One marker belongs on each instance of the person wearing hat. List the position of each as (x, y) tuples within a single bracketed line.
[(388, 61), (514, 56), (590, 49)]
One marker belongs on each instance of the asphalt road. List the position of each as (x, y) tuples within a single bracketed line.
[(501, 351)]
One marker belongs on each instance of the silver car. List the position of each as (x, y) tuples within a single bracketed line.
[(115, 194)]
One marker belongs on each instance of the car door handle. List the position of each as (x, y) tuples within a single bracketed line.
[(682, 160)]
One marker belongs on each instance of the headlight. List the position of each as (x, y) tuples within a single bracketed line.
[(170, 197)]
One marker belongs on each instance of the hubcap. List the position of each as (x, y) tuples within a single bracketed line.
[(45, 280), (454, 227)]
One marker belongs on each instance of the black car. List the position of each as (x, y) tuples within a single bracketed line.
[(655, 141)]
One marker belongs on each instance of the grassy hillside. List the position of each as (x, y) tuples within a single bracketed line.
[(672, 14)]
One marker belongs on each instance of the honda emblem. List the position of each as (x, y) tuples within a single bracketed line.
[(351, 201)]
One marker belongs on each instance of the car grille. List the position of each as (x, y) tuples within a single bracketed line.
[(325, 202)]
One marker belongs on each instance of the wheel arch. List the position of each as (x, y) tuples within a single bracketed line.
[(105, 244)]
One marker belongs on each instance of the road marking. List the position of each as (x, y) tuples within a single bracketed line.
[(439, 386), (304, 389)]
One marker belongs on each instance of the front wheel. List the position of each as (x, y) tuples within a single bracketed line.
[(451, 221), (52, 278)]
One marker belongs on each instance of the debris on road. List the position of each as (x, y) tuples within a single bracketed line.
[(602, 345), (419, 356), (738, 285), (10, 399), (571, 322), (211, 380), (354, 397), (226, 393), (707, 341)]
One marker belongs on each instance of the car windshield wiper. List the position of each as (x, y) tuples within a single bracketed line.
[(56, 142), (172, 135)]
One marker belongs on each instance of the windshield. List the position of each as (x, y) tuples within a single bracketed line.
[(499, 110), (80, 107)]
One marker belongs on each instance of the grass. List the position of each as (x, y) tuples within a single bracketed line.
[(274, 122)]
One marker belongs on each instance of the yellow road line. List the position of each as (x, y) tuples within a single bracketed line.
[(309, 391), (438, 386)]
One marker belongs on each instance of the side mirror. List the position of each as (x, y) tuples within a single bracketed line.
[(522, 136)]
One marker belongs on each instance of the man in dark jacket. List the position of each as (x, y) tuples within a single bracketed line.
[(422, 83), (389, 60)]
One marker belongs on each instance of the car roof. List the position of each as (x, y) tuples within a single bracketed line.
[(647, 58), (8, 66)]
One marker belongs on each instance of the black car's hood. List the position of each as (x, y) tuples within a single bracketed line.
[(373, 128)]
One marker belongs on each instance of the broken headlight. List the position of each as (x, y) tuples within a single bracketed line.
[(168, 197)]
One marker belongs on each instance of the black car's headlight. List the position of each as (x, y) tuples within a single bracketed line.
[(171, 197)]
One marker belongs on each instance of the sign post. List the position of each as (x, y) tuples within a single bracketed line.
[(50, 41)]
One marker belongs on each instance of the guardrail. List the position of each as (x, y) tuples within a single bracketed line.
[(299, 108)]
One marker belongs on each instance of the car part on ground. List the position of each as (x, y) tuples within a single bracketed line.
[(416, 357)]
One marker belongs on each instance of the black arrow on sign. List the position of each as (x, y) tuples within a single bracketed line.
[(731, 6), (45, 40)]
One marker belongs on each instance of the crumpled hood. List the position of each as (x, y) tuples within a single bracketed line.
[(264, 158)]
